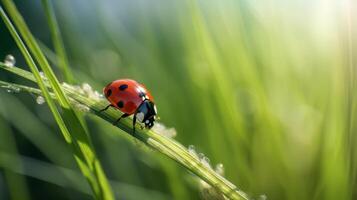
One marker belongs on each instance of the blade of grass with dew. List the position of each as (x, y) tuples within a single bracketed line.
[(61, 56), (70, 125), (158, 142), (57, 41)]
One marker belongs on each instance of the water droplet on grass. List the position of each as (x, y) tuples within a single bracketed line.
[(192, 151), (86, 87), (219, 169), (9, 60), (11, 88), (64, 84), (164, 131), (201, 156), (43, 76), (87, 90), (16, 89), (40, 100), (205, 161)]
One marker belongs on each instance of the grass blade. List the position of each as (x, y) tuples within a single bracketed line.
[(70, 125), (16, 183), (48, 172), (57, 41), (156, 141)]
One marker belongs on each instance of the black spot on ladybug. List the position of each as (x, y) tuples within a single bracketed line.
[(123, 87), (109, 92), (120, 104)]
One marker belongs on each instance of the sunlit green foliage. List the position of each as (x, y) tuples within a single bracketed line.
[(268, 88)]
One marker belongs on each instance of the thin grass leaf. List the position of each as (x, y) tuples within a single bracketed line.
[(57, 41), (48, 172), (156, 141), (16, 183), (60, 53), (70, 124)]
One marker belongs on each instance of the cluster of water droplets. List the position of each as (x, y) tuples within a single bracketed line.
[(219, 169), (81, 107), (205, 161), (11, 88), (9, 60), (164, 131), (87, 90), (207, 191)]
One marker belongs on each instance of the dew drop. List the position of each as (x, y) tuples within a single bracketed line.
[(205, 161), (86, 87), (77, 88), (40, 100), (201, 156), (64, 84), (191, 148), (164, 131), (43, 76), (219, 169), (16, 89), (87, 90), (11, 88), (192, 151), (97, 95), (9, 60), (263, 197)]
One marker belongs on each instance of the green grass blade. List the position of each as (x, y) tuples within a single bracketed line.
[(16, 183), (57, 41), (70, 124), (35, 50), (36, 75), (158, 142), (48, 172)]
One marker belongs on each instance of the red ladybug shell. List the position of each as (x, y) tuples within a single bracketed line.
[(126, 95)]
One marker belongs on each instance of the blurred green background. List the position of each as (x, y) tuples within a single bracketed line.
[(267, 88)]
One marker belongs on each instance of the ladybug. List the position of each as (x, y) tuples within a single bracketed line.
[(131, 97)]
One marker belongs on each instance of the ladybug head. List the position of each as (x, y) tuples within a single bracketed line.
[(107, 91), (146, 113)]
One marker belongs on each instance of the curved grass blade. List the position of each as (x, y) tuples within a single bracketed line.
[(16, 183), (70, 125), (156, 141), (57, 41)]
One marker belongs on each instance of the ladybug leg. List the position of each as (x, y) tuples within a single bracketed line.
[(106, 108), (123, 116), (134, 122)]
